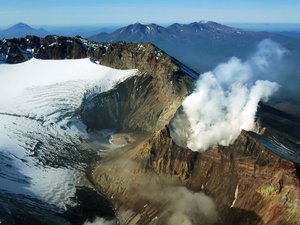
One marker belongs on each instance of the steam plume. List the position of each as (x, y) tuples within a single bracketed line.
[(225, 100)]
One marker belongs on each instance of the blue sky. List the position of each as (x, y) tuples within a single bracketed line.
[(113, 12)]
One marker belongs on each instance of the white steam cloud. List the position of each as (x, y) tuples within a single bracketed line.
[(163, 199), (180, 205), (188, 208), (225, 100)]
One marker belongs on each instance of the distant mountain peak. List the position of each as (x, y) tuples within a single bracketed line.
[(141, 28), (138, 24), (144, 23), (207, 22), (21, 25), (204, 21), (21, 30), (136, 32)]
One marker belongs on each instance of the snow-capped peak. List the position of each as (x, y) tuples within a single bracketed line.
[(204, 21)]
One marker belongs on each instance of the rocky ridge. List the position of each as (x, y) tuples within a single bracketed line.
[(129, 103)]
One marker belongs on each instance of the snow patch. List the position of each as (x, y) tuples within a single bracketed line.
[(23, 77), (140, 47), (235, 195)]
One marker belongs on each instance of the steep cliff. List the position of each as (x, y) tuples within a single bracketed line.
[(255, 180), (249, 183), (144, 102)]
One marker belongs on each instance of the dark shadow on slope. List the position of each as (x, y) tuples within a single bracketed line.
[(238, 216), (278, 120), (19, 205), (90, 205)]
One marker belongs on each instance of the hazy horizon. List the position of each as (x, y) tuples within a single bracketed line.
[(242, 25), (104, 13)]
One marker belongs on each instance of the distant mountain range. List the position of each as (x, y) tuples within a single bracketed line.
[(200, 45), (21, 30), (139, 32)]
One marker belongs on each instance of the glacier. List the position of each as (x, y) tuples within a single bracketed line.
[(44, 147)]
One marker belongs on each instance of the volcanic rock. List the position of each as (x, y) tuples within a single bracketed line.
[(255, 180)]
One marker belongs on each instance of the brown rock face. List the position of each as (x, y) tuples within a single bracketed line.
[(50, 47), (250, 184), (142, 103), (54, 47)]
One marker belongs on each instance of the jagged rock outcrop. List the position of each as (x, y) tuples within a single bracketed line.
[(50, 47), (140, 103)]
